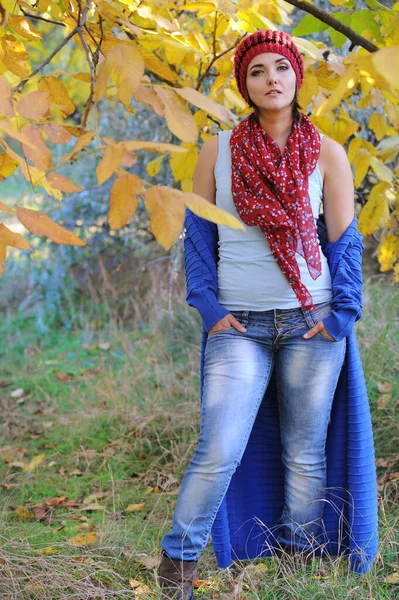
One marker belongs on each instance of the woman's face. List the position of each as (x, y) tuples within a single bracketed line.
[(271, 71)]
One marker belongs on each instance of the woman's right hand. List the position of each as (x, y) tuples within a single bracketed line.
[(227, 322)]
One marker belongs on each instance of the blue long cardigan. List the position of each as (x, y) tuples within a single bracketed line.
[(255, 497)]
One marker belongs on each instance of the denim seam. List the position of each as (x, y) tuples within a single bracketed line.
[(243, 445)]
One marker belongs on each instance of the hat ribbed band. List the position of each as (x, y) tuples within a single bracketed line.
[(265, 41)]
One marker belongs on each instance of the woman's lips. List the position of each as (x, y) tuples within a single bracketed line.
[(273, 93)]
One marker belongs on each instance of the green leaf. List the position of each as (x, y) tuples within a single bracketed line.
[(365, 19), (339, 39), (309, 24)]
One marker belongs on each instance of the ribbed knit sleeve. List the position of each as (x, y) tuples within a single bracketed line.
[(344, 257), (200, 255)]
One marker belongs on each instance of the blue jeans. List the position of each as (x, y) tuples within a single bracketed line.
[(237, 370)]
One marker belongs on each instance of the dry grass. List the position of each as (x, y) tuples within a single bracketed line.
[(133, 425)]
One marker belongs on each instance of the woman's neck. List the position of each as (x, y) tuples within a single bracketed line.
[(277, 126)]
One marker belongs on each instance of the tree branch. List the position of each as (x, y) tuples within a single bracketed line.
[(321, 15), (39, 18), (77, 29)]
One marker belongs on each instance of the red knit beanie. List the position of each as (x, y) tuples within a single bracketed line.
[(265, 41)]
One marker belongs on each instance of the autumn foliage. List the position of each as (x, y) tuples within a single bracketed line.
[(177, 59)]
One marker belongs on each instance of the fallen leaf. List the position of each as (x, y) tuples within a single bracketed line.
[(149, 562), (21, 514), (83, 539), (135, 507), (42, 512), (93, 506), (383, 401), (61, 376), (47, 551), (104, 346), (95, 496), (34, 463), (384, 388), (393, 577)]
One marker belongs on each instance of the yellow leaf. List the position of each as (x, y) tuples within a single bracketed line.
[(201, 207), (101, 81), (354, 146), (6, 208), (183, 165), (213, 108), (158, 147), (23, 27), (383, 172), (9, 129), (59, 182), (41, 225), (7, 165), (387, 252), (34, 463), (6, 107), (83, 539), (378, 124), (3, 256), (375, 213), (15, 240), (135, 507), (309, 88), (166, 208), (361, 164), (34, 105), (82, 141), (57, 134), (345, 85), (386, 62), (123, 200), (140, 589), (234, 98), (14, 56), (40, 155), (48, 551), (21, 514), (58, 94), (396, 273), (110, 162), (154, 166), (159, 67), (126, 67), (82, 77), (178, 116)]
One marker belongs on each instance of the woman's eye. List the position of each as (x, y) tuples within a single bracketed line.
[(254, 72)]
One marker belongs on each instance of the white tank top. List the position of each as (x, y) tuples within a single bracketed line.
[(249, 277)]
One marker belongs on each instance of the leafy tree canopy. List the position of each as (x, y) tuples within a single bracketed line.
[(176, 59)]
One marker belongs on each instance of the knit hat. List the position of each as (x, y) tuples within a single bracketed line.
[(265, 41)]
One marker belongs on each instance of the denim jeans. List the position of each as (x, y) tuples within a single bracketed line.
[(237, 370)]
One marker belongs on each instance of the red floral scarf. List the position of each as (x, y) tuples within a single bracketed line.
[(270, 190)]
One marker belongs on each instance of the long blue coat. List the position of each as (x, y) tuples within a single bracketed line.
[(255, 497)]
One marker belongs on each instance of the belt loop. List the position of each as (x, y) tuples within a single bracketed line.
[(244, 318), (307, 316)]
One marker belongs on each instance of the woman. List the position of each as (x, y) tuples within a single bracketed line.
[(277, 338)]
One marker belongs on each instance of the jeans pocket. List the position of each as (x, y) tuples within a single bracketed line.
[(220, 331), (319, 315)]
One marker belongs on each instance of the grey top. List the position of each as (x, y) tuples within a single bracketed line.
[(249, 277)]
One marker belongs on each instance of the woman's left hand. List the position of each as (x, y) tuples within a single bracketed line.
[(316, 329)]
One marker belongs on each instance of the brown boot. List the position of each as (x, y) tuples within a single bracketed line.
[(176, 577)]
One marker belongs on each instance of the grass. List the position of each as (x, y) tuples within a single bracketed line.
[(114, 411)]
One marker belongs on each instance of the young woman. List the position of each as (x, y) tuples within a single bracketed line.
[(275, 336)]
